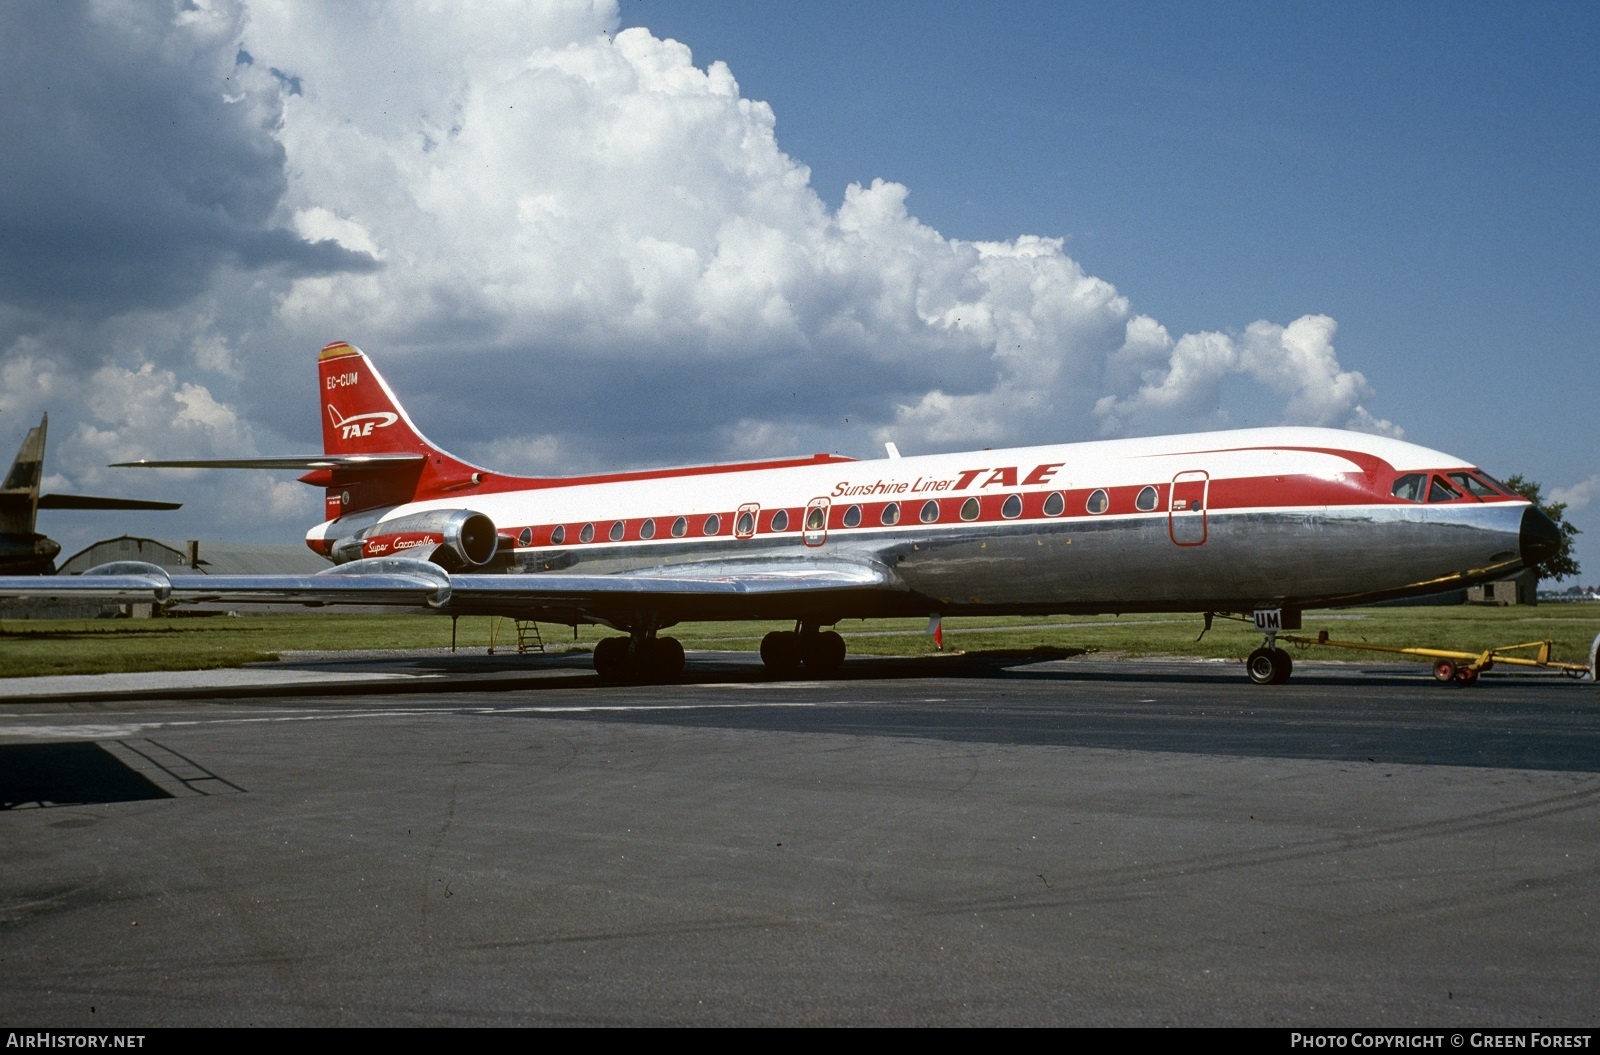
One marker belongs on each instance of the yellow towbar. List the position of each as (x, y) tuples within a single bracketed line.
[(1463, 668)]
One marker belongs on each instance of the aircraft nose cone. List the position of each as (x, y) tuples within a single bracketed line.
[(1540, 537)]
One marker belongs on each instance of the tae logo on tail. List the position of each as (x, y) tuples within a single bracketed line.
[(361, 424)]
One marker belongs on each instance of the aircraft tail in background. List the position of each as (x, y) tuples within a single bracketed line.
[(23, 551)]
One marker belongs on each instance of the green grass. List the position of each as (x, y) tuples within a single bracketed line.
[(89, 646)]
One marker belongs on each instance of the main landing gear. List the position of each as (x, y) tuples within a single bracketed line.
[(1269, 664), (644, 657), (639, 657), (785, 651)]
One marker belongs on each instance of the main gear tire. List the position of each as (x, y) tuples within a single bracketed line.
[(780, 652)]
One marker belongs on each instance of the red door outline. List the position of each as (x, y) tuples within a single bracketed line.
[(1186, 507)]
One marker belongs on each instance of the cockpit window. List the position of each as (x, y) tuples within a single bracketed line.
[(1410, 487), (1499, 485), (1473, 486), (1441, 491)]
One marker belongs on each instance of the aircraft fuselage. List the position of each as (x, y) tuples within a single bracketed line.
[(1230, 521)]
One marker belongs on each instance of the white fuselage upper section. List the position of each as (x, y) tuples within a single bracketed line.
[(1245, 453)]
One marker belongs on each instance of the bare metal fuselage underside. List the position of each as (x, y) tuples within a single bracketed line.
[(1295, 559)]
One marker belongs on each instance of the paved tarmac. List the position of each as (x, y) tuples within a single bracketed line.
[(420, 838)]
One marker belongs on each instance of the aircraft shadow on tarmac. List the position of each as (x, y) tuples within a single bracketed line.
[(741, 667), (78, 773), (70, 774), (1352, 714)]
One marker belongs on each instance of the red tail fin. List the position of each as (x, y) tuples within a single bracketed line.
[(360, 415)]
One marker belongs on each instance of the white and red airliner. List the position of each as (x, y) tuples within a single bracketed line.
[(1267, 521)]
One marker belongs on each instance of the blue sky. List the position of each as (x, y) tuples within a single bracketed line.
[(571, 245)]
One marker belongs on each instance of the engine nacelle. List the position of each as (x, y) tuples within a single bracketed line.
[(452, 538)]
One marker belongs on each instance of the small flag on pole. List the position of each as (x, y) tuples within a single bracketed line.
[(936, 628)]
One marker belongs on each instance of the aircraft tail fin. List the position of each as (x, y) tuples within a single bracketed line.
[(19, 493), (361, 418)]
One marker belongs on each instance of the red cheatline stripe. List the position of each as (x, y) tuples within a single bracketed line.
[(1222, 495)]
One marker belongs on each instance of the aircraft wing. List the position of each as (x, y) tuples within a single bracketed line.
[(721, 589)]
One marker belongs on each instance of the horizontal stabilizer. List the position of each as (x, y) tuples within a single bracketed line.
[(91, 502), (346, 462)]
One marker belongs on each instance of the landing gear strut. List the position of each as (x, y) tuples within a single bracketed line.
[(785, 651), (1269, 664)]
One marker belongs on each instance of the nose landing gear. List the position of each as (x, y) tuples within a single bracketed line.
[(1269, 664)]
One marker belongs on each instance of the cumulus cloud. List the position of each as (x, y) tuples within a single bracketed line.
[(565, 245), (596, 209), (139, 157), (1182, 380), (1579, 496)]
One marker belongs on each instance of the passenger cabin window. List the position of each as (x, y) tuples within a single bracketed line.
[(1013, 507), (525, 537), (970, 509), (712, 525), (587, 534), (1146, 500), (852, 516), (1055, 505), (745, 525), (930, 511), (1099, 502), (890, 515), (616, 531), (1410, 487), (1441, 491), (647, 529), (559, 535), (780, 520), (816, 518), (680, 527)]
